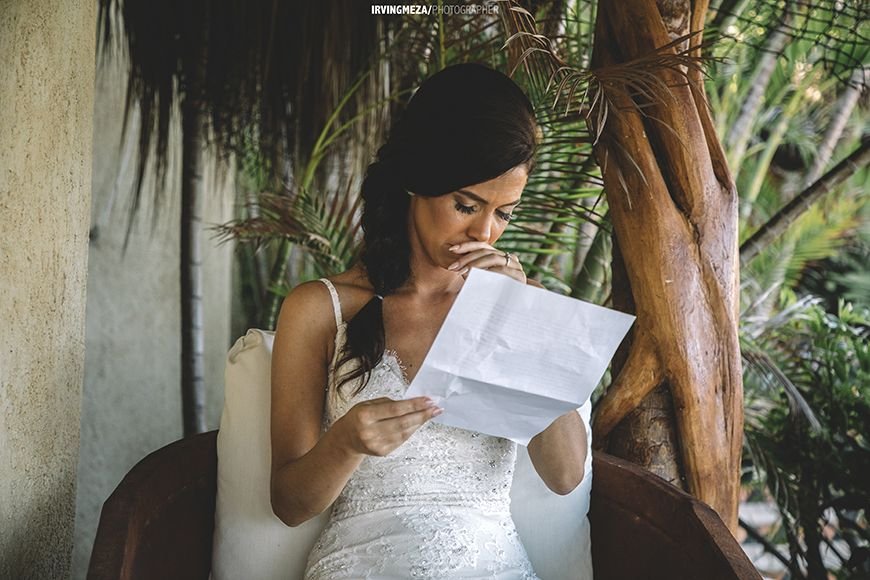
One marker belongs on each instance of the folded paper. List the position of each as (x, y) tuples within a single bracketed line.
[(510, 358)]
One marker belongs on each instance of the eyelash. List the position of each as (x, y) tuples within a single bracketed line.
[(467, 209)]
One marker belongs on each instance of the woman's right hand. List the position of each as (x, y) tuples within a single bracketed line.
[(379, 426)]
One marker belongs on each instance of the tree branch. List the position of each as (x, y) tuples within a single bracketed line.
[(780, 222), (640, 375), (768, 547)]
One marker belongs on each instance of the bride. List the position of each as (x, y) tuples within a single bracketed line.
[(411, 498)]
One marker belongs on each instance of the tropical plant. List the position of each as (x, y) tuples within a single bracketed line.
[(562, 248), (232, 73), (661, 161), (559, 199), (808, 431), (799, 112), (796, 112), (845, 274), (301, 169)]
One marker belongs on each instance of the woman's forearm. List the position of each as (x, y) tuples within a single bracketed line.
[(559, 453), (305, 487)]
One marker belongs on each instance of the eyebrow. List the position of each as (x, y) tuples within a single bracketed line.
[(476, 197)]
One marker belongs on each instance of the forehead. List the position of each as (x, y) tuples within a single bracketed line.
[(505, 188)]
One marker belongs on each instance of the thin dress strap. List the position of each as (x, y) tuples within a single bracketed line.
[(336, 305)]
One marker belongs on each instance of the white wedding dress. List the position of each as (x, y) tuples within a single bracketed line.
[(436, 507)]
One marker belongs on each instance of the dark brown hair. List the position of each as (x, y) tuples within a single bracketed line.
[(465, 125)]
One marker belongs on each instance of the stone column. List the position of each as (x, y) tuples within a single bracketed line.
[(46, 125)]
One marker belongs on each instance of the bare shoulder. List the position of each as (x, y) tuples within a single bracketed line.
[(307, 310), (354, 290), (308, 302), (299, 357)]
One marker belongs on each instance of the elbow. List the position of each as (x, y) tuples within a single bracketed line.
[(292, 523), (283, 509), (566, 484), (289, 518)]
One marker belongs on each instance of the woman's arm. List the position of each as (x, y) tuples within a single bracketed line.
[(559, 453), (309, 471)]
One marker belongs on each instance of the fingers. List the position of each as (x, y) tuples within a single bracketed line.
[(386, 408), (486, 258), (408, 423), (467, 247), (496, 263), (381, 425), (490, 261), (470, 258), (417, 417)]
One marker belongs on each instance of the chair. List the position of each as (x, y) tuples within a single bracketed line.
[(159, 522)]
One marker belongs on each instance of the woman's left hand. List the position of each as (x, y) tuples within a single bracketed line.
[(482, 255)]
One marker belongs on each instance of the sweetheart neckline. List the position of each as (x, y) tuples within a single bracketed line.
[(401, 374), (402, 368)]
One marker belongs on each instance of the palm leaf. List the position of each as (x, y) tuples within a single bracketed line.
[(325, 229)]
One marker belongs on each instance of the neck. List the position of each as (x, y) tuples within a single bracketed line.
[(430, 282), (428, 279)]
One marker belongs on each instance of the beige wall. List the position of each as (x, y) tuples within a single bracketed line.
[(131, 401), (46, 104)]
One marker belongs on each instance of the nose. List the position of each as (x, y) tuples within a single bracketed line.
[(481, 228)]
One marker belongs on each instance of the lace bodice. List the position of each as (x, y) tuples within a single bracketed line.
[(438, 506)]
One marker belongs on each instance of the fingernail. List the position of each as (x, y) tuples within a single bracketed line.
[(437, 412), (454, 248), (453, 266), (465, 271)]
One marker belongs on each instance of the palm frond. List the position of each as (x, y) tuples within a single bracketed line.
[(773, 380), (326, 230), (264, 65)]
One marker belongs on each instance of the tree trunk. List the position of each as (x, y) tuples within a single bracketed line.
[(192, 340), (741, 130), (583, 243), (674, 210), (544, 259), (260, 268), (590, 283), (771, 143), (791, 211), (842, 111), (647, 436)]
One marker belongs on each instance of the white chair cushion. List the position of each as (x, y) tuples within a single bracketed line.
[(251, 542)]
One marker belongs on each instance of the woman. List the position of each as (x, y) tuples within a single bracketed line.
[(412, 498)]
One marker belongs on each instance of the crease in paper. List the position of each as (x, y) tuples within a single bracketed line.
[(510, 358)]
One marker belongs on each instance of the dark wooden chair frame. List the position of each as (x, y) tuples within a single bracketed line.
[(159, 522)]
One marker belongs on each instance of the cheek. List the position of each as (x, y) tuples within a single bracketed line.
[(435, 220), (443, 216), (495, 235)]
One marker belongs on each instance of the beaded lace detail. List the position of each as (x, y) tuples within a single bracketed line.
[(436, 507)]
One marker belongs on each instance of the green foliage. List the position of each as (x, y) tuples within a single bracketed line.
[(563, 193), (807, 435), (799, 106), (844, 274)]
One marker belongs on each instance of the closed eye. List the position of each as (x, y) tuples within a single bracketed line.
[(469, 209)]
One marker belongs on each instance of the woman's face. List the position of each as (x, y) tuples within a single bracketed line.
[(474, 213)]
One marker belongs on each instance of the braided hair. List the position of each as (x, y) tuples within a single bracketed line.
[(464, 125)]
